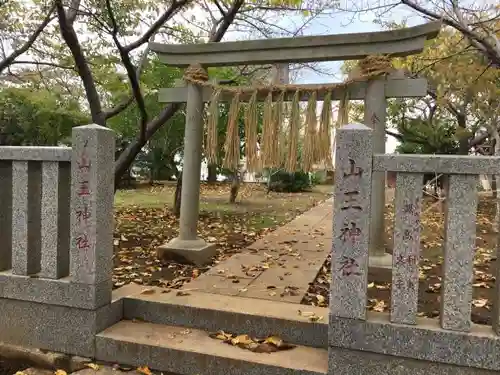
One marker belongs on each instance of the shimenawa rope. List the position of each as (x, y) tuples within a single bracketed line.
[(316, 145)]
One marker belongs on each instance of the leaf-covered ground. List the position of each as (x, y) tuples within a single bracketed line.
[(144, 220), (431, 259)]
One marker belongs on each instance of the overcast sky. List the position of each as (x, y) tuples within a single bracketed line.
[(329, 24)]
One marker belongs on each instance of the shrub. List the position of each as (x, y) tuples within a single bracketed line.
[(284, 182)]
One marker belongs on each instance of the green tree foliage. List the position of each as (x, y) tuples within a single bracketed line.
[(159, 153), (37, 117)]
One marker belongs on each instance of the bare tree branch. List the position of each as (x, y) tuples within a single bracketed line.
[(169, 13), (43, 63), (131, 151), (19, 51), (219, 6), (491, 50)]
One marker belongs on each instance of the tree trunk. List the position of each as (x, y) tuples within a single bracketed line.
[(212, 174), (494, 185), (494, 182), (125, 160), (235, 187), (177, 196), (496, 136), (463, 142)]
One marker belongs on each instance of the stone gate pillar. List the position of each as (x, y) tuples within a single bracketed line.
[(374, 117), (187, 247)]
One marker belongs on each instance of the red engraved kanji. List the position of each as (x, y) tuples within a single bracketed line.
[(84, 162), (83, 214), (349, 266), (351, 233), (82, 242), (83, 189)]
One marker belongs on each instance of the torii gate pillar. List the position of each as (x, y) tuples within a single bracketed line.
[(188, 247), (375, 116)]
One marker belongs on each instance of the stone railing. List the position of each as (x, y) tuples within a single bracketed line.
[(451, 340), (56, 221)]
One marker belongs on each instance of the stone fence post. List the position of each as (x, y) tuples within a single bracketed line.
[(92, 194), (351, 221)]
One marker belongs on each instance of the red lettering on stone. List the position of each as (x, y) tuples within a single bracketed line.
[(82, 242), (83, 214), (349, 266), (84, 162), (351, 233), (83, 189)]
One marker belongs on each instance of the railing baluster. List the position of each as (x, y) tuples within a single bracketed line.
[(460, 238), (5, 215), (55, 220), (405, 257), (20, 261), (26, 217)]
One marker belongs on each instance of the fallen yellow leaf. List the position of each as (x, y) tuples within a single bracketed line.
[(241, 339), (480, 302), (93, 366), (315, 318), (379, 306), (144, 370), (306, 314)]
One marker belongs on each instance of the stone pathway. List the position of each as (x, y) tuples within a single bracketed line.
[(277, 267)]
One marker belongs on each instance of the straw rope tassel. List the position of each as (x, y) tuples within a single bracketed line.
[(232, 145), (267, 136), (369, 68), (343, 113), (324, 131), (212, 141), (293, 145), (251, 124), (310, 140), (277, 125)]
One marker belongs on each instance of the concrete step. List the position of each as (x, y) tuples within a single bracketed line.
[(191, 351), (294, 323)]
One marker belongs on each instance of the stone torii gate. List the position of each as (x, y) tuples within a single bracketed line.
[(374, 92)]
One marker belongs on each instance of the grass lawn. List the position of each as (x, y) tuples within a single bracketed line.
[(144, 220), (431, 259)]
